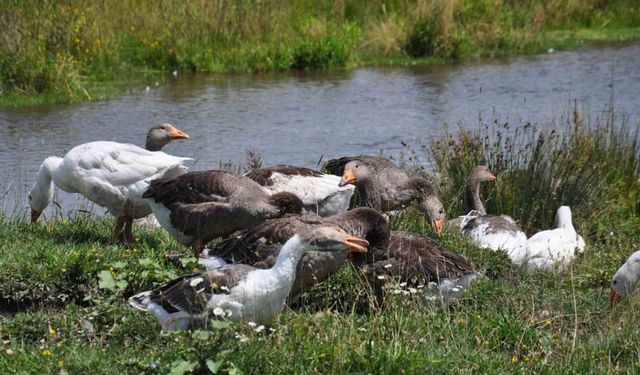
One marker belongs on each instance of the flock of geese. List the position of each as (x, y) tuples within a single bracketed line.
[(284, 229)]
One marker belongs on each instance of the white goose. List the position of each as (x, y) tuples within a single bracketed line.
[(318, 191), (111, 174), (554, 248), (500, 233), (626, 278), (250, 294)]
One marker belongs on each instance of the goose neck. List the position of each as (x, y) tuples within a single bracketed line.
[(472, 191)]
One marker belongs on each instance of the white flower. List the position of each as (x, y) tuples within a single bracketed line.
[(218, 311), (403, 284), (397, 291), (431, 298), (196, 281), (380, 277), (242, 338), (405, 293), (252, 324), (432, 284), (272, 329), (362, 329), (388, 266), (413, 290), (259, 328), (455, 289)]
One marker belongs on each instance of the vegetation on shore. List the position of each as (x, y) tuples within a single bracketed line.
[(55, 51), (64, 284)]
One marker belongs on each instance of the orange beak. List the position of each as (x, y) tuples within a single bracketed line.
[(614, 298), (178, 134), (437, 225), (356, 245), (347, 178), (35, 214), (491, 176)]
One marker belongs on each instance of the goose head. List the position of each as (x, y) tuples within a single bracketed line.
[(482, 173), (332, 239), (161, 134), (355, 172), (431, 206), (42, 192), (286, 203), (626, 278)]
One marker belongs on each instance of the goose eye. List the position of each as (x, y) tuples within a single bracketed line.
[(615, 282), (29, 196)]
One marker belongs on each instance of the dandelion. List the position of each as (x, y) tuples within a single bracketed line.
[(49, 229), (259, 328), (218, 311), (548, 322), (514, 359), (52, 331), (526, 359), (461, 321), (46, 352), (60, 363)]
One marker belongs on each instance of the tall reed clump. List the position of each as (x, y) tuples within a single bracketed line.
[(592, 167)]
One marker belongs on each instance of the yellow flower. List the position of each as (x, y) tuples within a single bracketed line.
[(52, 331), (46, 352), (60, 363), (49, 229), (526, 359), (77, 41), (132, 28), (548, 322), (514, 359)]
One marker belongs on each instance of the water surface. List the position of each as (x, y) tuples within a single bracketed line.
[(296, 118)]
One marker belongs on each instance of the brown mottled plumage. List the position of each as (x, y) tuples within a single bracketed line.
[(210, 204), (380, 184), (260, 245)]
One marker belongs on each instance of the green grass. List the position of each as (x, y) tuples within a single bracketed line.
[(64, 284), (82, 50)]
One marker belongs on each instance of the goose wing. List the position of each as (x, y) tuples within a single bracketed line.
[(190, 293)]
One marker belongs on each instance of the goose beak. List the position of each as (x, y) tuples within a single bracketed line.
[(178, 134), (437, 225), (614, 298), (35, 214), (356, 245), (492, 177), (347, 178)]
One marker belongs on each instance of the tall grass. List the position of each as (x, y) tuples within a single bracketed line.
[(591, 166), (64, 47)]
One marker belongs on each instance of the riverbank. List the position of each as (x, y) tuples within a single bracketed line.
[(64, 283), (56, 53)]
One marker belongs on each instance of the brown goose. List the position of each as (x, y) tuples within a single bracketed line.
[(239, 291), (200, 206), (380, 184), (419, 260), (259, 246), (111, 174), (319, 192), (413, 258)]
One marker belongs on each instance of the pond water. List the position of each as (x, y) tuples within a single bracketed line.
[(296, 118)]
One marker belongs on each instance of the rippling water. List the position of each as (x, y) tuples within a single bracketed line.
[(296, 118)]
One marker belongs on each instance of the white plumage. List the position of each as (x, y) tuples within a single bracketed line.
[(113, 175), (554, 248)]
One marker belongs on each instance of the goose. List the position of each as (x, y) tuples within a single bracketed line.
[(110, 174), (380, 184), (199, 206), (410, 257), (625, 279), (555, 248), (418, 260), (259, 246), (500, 233), (241, 292), (318, 191)]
